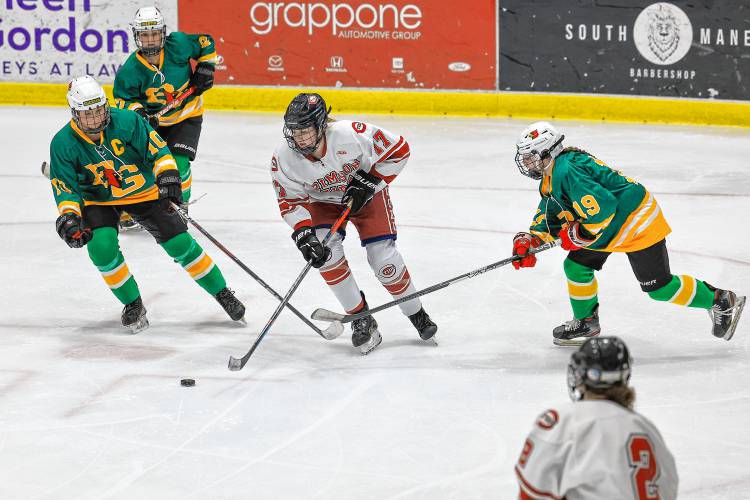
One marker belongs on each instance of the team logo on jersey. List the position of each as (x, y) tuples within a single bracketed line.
[(387, 271), (359, 127), (548, 419)]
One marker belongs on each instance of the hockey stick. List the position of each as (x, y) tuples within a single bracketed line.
[(236, 364), (339, 319), (330, 333)]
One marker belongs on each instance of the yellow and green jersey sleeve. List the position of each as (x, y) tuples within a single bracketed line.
[(118, 169), (138, 84), (617, 210)]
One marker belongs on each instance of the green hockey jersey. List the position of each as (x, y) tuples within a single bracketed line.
[(621, 214), (119, 169), (140, 84)]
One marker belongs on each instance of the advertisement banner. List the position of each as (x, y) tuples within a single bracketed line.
[(57, 40), (676, 49), (431, 44)]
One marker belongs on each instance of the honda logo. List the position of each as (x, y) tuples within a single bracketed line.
[(337, 62)]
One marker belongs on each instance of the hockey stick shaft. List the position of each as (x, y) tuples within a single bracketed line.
[(237, 364), (174, 102), (321, 314), (184, 215)]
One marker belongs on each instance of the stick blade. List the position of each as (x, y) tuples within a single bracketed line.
[(334, 330), (321, 314), (235, 364)]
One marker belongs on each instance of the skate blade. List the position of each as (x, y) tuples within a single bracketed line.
[(733, 326), (430, 341), (241, 321), (576, 342), (370, 345), (138, 326)]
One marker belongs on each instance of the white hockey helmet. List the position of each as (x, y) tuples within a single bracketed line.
[(149, 19), (538, 142), (85, 94)]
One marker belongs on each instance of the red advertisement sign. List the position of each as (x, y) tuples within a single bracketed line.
[(431, 44)]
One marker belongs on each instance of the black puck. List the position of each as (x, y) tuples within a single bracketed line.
[(187, 382)]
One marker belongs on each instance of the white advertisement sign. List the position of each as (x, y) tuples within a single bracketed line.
[(57, 40)]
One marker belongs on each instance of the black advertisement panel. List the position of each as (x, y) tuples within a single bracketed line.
[(695, 49)]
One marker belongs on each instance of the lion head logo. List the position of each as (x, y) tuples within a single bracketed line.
[(663, 32)]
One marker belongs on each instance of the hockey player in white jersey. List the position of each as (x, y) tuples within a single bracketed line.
[(325, 164), (597, 447)]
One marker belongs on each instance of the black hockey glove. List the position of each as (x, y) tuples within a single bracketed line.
[(312, 249), (152, 120), (70, 228), (360, 190), (170, 188), (203, 77)]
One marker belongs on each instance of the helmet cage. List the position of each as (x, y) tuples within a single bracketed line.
[(305, 113), (531, 163), (149, 19), (87, 124), (149, 51)]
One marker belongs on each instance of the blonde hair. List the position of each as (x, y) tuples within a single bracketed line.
[(621, 394)]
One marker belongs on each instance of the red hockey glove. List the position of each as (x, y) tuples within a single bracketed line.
[(522, 242), (575, 237)]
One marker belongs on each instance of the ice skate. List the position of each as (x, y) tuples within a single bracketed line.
[(726, 313), (365, 334), (134, 316), (232, 305), (127, 223), (576, 331), (424, 325)]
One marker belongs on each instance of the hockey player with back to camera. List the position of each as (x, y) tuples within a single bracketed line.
[(597, 447), (104, 161), (324, 164), (157, 73), (597, 210)]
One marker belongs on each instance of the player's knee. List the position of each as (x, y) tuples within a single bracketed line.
[(335, 244), (179, 247), (103, 247), (183, 164), (577, 272), (662, 290), (381, 252)]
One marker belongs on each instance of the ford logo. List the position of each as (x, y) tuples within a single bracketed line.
[(459, 66)]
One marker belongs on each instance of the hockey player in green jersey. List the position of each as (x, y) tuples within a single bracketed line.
[(158, 72), (596, 210), (106, 160)]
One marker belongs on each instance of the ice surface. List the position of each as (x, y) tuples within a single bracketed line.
[(88, 411)]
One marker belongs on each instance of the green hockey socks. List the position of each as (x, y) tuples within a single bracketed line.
[(189, 254), (104, 252), (186, 176)]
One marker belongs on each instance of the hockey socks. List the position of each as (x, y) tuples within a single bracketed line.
[(582, 288), (388, 264), (189, 254), (104, 252), (685, 291), (186, 176)]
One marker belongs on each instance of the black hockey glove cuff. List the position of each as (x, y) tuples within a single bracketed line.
[(360, 190), (312, 249), (170, 188), (70, 228), (152, 120), (203, 77)]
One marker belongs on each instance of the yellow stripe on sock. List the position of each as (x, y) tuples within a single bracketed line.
[(588, 290), (686, 292), (200, 266), (117, 276)]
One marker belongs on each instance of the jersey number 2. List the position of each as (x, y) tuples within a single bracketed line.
[(645, 469)]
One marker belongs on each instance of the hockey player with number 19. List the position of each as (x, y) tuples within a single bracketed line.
[(323, 165), (597, 447)]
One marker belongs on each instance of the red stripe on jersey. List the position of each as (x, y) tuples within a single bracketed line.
[(387, 178), (302, 223), (399, 154), (530, 492), (390, 151)]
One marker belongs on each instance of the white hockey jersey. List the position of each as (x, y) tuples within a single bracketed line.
[(349, 146), (595, 450)]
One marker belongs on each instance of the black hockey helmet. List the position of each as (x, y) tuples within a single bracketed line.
[(304, 112), (600, 363)]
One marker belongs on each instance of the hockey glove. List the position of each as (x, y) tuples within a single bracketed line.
[(360, 190), (152, 120), (522, 242), (70, 228), (170, 189), (312, 249), (203, 77), (574, 237)]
